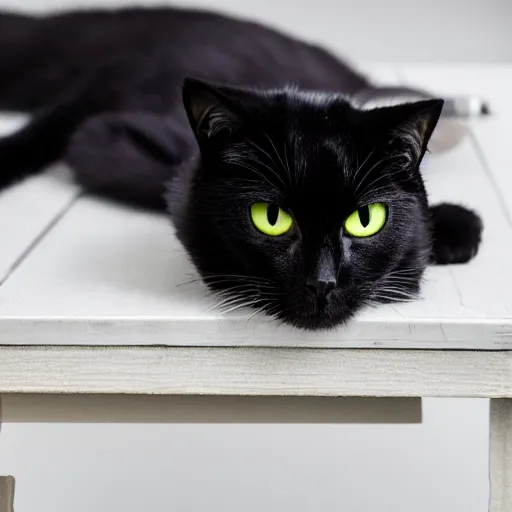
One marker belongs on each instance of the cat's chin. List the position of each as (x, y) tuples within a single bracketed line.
[(323, 319), (317, 322)]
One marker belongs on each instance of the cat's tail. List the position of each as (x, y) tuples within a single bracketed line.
[(37, 145), (46, 137), (457, 233)]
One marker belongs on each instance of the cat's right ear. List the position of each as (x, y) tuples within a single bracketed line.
[(210, 111)]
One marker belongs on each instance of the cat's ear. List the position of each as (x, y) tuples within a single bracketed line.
[(210, 110), (411, 126)]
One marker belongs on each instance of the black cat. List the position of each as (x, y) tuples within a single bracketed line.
[(286, 196)]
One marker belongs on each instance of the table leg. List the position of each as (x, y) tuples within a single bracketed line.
[(501, 455), (6, 493)]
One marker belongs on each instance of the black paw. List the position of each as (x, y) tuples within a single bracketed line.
[(457, 233), (21, 157)]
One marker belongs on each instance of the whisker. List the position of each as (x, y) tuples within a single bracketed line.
[(254, 286), (275, 150), (192, 281), (236, 307), (370, 187), (403, 271), (287, 163), (238, 276), (392, 299), (372, 190), (359, 167), (231, 301), (369, 172), (273, 171), (400, 293), (259, 310), (261, 175), (400, 279)]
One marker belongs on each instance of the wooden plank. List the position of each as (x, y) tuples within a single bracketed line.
[(501, 455), (29, 209), (11, 123), (496, 156), (251, 371), (488, 136), (208, 409), (492, 83)]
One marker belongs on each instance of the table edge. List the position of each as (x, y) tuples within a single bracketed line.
[(255, 371)]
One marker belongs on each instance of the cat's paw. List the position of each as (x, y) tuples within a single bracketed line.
[(457, 234), (16, 162)]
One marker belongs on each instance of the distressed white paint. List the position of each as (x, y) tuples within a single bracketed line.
[(255, 371), (29, 208), (11, 123), (501, 455), (27, 211), (490, 135)]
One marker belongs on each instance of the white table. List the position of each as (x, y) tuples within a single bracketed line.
[(94, 299)]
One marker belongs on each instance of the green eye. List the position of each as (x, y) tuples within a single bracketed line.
[(270, 219), (366, 221)]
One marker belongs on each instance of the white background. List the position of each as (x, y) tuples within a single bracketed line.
[(398, 30), (439, 466)]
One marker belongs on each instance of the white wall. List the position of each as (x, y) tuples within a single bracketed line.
[(398, 30), (439, 466)]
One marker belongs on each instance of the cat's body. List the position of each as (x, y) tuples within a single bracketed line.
[(45, 57), (130, 65), (105, 89)]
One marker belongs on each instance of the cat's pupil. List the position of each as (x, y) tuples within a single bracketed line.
[(272, 214), (364, 216)]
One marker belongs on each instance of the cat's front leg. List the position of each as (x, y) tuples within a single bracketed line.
[(129, 156)]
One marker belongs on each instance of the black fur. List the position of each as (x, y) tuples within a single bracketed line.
[(106, 92), (457, 234)]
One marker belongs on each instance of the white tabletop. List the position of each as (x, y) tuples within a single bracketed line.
[(78, 271)]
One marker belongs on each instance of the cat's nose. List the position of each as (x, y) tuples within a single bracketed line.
[(321, 288)]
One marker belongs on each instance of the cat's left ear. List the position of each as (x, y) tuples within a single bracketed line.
[(412, 125), (212, 111)]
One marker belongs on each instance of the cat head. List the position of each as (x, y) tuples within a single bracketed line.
[(304, 206)]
